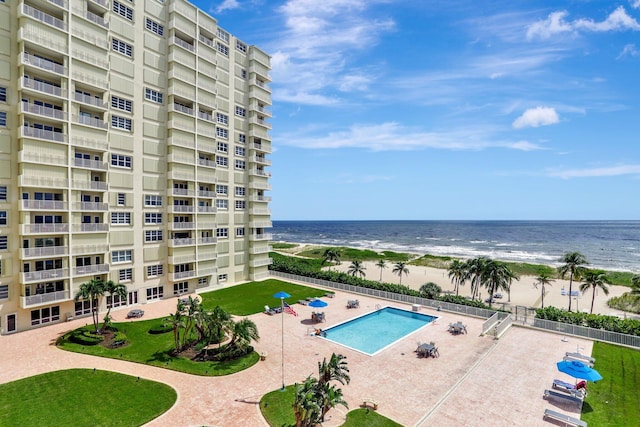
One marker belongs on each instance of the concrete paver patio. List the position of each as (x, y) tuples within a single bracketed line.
[(476, 380)]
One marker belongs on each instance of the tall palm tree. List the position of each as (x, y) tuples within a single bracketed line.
[(331, 255), (400, 268), (543, 280), (113, 289), (243, 332), (329, 397), (594, 280), (381, 264), (218, 323), (497, 276), (93, 291), (334, 370), (475, 270), (306, 407), (356, 268), (573, 264), (176, 322), (457, 274)]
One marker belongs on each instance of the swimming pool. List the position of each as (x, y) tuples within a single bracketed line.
[(375, 331)]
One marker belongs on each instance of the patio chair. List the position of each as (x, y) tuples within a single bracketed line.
[(303, 302), (353, 303), (435, 352), (268, 310)]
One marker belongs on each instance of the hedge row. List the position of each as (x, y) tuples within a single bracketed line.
[(597, 321)]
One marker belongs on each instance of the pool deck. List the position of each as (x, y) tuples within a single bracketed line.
[(476, 380)]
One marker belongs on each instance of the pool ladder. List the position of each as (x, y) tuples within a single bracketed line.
[(378, 307)]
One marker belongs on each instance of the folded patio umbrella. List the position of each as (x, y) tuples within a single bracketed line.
[(578, 370)]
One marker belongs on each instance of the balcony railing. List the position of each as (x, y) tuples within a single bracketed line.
[(86, 57), (90, 164), (42, 134), (204, 193), (42, 86), (89, 249), (46, 251), (181, 225), (43, 111), (260, 159), (182, 275), (37, 181), (183, 44), (45, 228), (205, 116), (90, 185), (205, 40), (91, 206), (44, 298), (43, 17), (101, 145), (37, 276), (102, 3), (45, 64), (49, 205), (207, 163), (259, 121), (182, 192), (85, 270), (97, 19), (260, 262), (260, 199), (202, 225), (90, 121), (260, 250), (183, 109), (207, 209), (181, 208), (207, 240), (182, 242), (88, 99), (260, 172), (261, 236), (90, 228)]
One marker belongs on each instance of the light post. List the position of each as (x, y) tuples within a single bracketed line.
[(282, 295)]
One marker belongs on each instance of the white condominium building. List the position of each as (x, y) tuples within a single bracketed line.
[(134, 143)]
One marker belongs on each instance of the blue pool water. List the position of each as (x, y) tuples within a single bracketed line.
[(374, 331)]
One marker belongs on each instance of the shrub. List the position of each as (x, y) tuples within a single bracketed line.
[(160, 328), (227, 352), (85, 337), (596, 321)]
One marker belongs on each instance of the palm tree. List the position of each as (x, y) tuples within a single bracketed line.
[(218, 323), (457, 274), (475, 270), (176, 322), (113, 290), (496, 276), (381, 264), (595, 279), (635, 284), (329, 397), (243, 332), (400, 268), (331, 255), (335, 370), (191, 309), (356, 268), (573, 264), (306, 407), (543, 280), (430, 290), (93, 291)]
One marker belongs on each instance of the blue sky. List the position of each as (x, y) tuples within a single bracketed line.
[(447, 109)]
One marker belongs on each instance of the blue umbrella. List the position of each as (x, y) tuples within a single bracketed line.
[(579, 370), (318, 303), (281, 295)]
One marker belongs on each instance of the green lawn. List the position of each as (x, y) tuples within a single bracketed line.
[(615, 400), (250, 298), (153, 349), (277, 409), (83, 397)]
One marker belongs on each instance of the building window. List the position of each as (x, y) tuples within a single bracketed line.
[(4, 292), (241, 46), (45, 315), (152, 200), (3, 119), (154, 27), (222, 204), (125, 275), (240, 232), (3, 193), (243, 73), (223, 147), (122, 47), (153, 236), (3, 218), (153, 95), (242, 138), (241, 191), (4, 243), (121, 103), (222, 133), (121, 161), (222, 190), (121, 123), (223, 49), (121, 218), (222, 118), (3, 94), (121, 256), (222, 232), (155, 270), (122, 199), (240, 204), (155, 293), (123, 10), (240, 164), (223, 35), (222, 277), (152, 218), (114, 301), (222, 161), (180, 288), (241, 151), (242, 112)]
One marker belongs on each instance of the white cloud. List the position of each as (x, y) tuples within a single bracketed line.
[(534, 117), (392, 136), (628, 50), (227, 5), (635, 4), (597, 172), (555, 23)]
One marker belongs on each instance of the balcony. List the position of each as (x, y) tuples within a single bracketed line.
[(90, 100), (207, 270), (207, 209), (260, 122), (89, 164), (181, 176), (182, 275), (205, 116), (90, 59), (260, 199), (43, 87), (49, 135), (204, 225), (260, 237), (207, 256), (97, 19), (90, 121), (90, 206), (48, 205), (36, 181), (87, 270), (42, 111), (43, 64), (181, 142), (90, 228), (260, 262), (260, 250), (181, 192), (45, 228), (255, 106), (260, 224), (44, 17), (96, 144), (41, 299), (207, 240), (183, 44), (204, 193), (39, 276), (259, 185), (46, 251), (206, 163), (260, 159), (206, 40), (181, 209), (259, 211), (181, 242), (182, 259), (89, 249), (176, 158), (182, 225), (103, 3), (181, 108), (259, 172), (90, 185)]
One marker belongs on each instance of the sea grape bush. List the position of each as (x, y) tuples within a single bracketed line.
[(596, 321)]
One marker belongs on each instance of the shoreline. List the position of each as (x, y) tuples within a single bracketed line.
[(523, 292)]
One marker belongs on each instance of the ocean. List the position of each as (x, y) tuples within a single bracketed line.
[(609, 245)]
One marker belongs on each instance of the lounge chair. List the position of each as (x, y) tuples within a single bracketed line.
[(579, 389), (563, 397), (568, 420), (575, 359), (303, 302), (581, 357), (272, 311)]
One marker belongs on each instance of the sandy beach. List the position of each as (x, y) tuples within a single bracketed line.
[(523, 292)]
